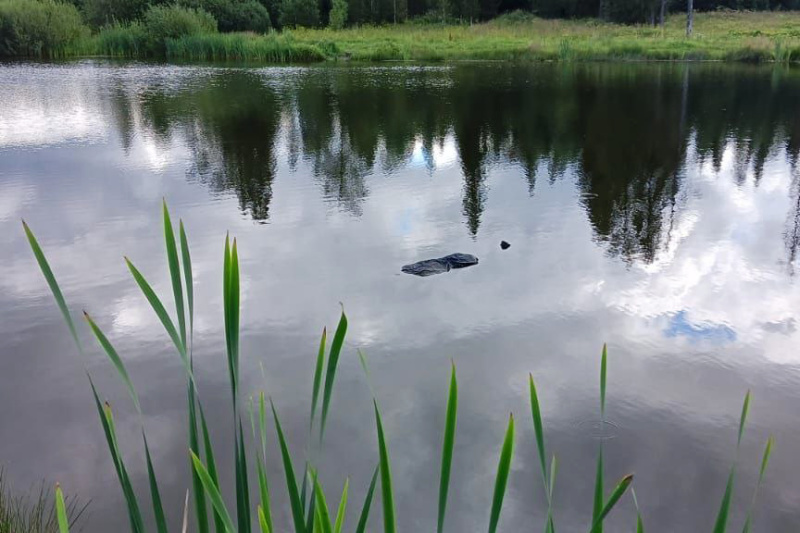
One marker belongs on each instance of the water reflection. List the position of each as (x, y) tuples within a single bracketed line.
[(628, 135), (656, 207)]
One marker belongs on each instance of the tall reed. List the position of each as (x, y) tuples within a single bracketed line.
[(307, 499)]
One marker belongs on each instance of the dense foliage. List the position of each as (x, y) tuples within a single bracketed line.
[(38, 28)]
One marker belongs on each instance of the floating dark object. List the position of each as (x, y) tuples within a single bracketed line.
[(429, 267), (504, 245)]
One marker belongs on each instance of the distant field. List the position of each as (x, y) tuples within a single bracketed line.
[(733, 36)]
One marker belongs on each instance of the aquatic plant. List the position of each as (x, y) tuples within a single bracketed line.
[(307, 499)]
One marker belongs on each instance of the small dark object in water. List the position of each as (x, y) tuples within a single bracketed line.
[(429, 267), (504, 245)]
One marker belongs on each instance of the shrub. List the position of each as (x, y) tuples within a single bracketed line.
[(299, 13), (38, 28), (235, 15), (162, 23), (338, 14)]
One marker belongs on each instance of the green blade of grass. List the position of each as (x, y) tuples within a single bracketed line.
[(447, 446), (242, 485), (155, 494), (539, 433), (743, 418), (163, 316), (175, 272), (213, 493), (501, 481), (387, 497), (263, 481), (231, 305), (337, 526), (61, 511), (115, 360), (132, 506), (188, 279), (219, 524), (303, 489), (550, 525), (364, 516), (597, 506), (262, 521), (318, 376), (639, 522), (616, 494), (44, 266), (312, 505), (194, 446), (322, 507), (291, 481), (762, 471), (603, 373), (330, 374), (721, 523)]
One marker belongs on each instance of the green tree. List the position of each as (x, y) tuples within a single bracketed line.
[(338, 16), (99, 13), (235, 15), (299, 13)]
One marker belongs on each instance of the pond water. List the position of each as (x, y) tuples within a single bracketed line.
[(655, 207)]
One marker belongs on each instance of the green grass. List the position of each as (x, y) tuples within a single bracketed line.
[(37, 511), (737, 36), (309, 512), (723, 35)]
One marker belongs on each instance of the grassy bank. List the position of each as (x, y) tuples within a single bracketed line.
[(718, 36), (725, 36)]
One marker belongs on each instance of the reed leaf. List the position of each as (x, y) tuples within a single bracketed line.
[(242, 485), (340, 513), (312, 506), (549, 524), (616, 494), (322, 507), (597, 506), (762, 471), (291, 481), (163, 316), (263, 486), (175, 272), (107, 421), (721, 523), (44, 266), (219, 524), (447, 446), (639, 522), (188, 278), (743, 418), (364, 516), (503, 470), (155, 494), (61, 511), (330, 374), (318, 376), (387, 497), (603, 373), (262, 521), (539, 434), (231, 307), (213, 493), (304, 487), (115, 360), (194, 446)]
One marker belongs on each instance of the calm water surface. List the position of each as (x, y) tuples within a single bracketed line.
[(653, 207)]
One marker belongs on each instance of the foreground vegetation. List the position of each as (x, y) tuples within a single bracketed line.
[(35, 512), (308, 501)]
